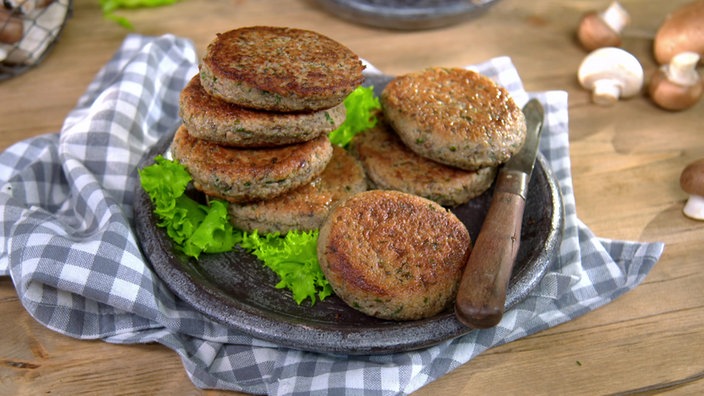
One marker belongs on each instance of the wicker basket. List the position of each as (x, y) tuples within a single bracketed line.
[(41, 27)]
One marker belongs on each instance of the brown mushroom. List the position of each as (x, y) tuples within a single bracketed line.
[(26, 7), (692, 182), (682, 30), (11, 27), (603, 29), (677, 85)]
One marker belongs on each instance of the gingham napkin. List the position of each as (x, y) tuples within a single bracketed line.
[(67, 242)]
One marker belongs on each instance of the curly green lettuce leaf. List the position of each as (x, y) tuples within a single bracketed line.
[(165, 182), (195, 228), (110, 6), (361, 106), (294, 259), (214, 233)]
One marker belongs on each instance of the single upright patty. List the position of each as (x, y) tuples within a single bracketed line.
[(393, 255), (279, 69), (304, 208), (246, 175), (210, 118), (391, 165), (455, 116)]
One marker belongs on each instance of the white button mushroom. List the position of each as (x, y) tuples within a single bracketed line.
[(677, 85), (611, 74), (692, 182), (603, 29)]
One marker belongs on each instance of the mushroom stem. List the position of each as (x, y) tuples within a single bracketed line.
[(615, 16), (682, 68), (694, 208), (606, 91)]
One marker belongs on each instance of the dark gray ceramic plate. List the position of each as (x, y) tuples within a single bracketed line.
[(406, 14), (237, 290)]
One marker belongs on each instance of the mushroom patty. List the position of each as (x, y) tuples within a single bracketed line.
[(246, 175), (306, 207), (454, 116), (393, 255), (210, 118), (279, 69), (389, 164)]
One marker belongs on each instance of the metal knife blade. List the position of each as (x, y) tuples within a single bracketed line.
[(521, 164), (482, 292)]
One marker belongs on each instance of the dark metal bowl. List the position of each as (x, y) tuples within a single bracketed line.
[(406, 14), (236, 289)]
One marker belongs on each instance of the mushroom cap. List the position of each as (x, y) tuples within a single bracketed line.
[(613, 71), (677, 85), (593, 32), (673, 96), (692, 178), (675, 91), (603, 29), (682, 30), (11, 27)]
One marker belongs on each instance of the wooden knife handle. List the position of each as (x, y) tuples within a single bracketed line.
[(482, 292)]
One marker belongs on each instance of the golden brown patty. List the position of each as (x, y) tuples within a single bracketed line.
[(279, 69), (455, 116), (207, 117), (245, 175), (306, 207), (393, 255), (390, 165)]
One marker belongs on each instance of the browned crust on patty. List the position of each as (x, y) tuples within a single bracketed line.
[(391, 165), (306, 207), (210, 118), (393, 255), (246, 175), (279, 68), (455, 116)]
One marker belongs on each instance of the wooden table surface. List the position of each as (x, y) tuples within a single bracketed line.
[(626, 162)]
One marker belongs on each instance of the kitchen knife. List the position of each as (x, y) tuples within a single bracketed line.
[(482, 291)]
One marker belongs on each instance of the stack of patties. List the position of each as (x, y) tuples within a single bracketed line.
[(255, 126), (443, 134)]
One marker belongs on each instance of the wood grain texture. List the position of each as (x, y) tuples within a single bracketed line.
[(626, 161), (482, 293)]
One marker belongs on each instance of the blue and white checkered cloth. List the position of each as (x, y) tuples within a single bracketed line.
[(68, 244)]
